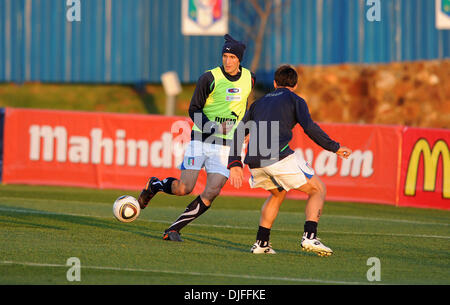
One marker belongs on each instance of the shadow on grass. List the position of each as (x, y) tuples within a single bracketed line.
[(227, 244), (20, 223), (216, 242), (22, 214), (33, 218)]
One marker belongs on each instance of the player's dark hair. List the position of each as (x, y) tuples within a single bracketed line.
[(286, 76)]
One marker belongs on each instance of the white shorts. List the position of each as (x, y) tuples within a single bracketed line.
[(289, 173), (213, 157)]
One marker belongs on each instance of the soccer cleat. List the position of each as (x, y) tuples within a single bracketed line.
[(147, 193), (258, 249), (315, 245), (172, 235)]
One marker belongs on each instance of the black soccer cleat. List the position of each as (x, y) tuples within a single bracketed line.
[(172, 235), (147, 193)]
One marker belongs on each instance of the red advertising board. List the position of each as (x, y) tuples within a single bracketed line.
[(91, 149), (371, 174), (425, 170), (105, 150)]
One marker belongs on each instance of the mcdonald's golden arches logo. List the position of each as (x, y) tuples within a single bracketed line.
[(430, 167)]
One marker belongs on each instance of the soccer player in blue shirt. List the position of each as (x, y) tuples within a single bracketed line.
[(278, 169)]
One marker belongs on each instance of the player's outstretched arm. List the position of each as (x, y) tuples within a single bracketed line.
[(344, 152)]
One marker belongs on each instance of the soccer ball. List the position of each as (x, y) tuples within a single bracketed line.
[(126, 208)]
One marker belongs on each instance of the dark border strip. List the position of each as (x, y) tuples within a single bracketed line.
[(2, 124)]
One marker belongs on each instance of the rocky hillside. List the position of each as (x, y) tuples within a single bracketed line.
[(406, 93)]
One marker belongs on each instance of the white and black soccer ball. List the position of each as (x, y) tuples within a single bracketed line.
[(126, 208)]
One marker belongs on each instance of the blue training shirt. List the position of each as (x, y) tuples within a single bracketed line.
[(270, 121)]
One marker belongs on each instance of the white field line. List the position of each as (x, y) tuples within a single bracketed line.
[(225, 226), (291, 213), (225, 275)]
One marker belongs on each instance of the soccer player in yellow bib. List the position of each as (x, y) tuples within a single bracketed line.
[(218, 104)]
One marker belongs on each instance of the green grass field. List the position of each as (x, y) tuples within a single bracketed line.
[(41, 227)]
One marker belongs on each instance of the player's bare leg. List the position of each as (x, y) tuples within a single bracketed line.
[(186, 183), (214, 183), (316, 191), (173, 186), (269, 212)]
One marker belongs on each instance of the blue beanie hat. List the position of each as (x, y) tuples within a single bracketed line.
[(234, 47)]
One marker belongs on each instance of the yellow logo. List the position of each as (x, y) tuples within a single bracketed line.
[(430, 164)]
